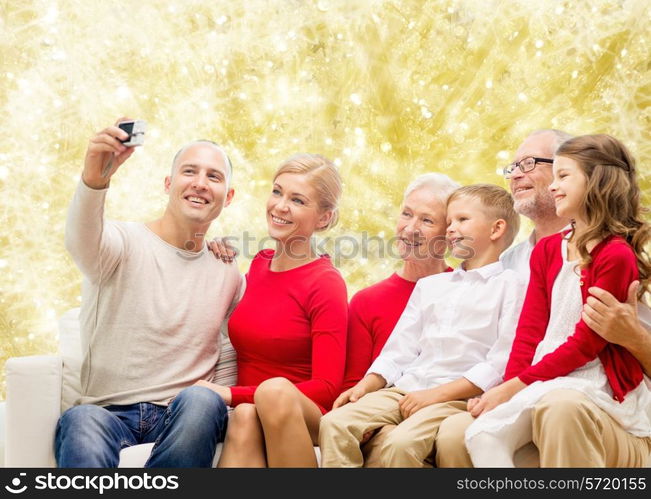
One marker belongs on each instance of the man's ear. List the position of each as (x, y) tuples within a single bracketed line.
[(498, 229), (229, 197), (168, 183)]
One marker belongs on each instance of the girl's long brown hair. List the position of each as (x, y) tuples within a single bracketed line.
[(612, 198)]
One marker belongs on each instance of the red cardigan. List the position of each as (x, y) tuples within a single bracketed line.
[(613, 268)]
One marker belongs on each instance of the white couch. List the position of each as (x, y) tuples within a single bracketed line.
[(2, 434), (40, 388)]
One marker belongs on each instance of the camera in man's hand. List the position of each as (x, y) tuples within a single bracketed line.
[(136, 130)]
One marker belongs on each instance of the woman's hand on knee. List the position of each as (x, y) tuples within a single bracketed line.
[(223, 391)]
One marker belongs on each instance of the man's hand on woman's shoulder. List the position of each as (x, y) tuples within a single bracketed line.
[(222, 249)]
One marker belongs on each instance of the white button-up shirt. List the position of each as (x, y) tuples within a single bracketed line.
[(517, 257), (456, 324)]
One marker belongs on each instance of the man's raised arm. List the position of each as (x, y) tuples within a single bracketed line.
[(93, 247)]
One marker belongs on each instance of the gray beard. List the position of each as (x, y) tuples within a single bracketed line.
[(540, 207)]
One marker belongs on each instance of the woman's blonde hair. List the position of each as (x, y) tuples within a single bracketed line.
[(323, 176), (612, 197)]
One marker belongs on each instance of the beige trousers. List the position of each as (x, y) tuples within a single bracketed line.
[(449, 448), (407, 446), (569, 430)]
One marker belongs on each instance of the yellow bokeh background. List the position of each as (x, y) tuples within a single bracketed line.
[(388, 89)]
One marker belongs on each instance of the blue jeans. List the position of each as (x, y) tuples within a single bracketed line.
[(185, 433)]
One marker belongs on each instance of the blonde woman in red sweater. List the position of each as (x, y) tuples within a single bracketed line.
[(595, 186), (289, 329)]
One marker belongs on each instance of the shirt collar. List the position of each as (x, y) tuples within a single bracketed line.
[(485, 272)]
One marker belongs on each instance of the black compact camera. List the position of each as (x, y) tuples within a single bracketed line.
[(136, 130)]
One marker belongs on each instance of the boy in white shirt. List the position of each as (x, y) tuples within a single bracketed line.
[(451, 343)]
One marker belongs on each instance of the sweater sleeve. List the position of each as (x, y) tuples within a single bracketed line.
[(359, 349), (534, 317), (96, 246), (328, 310), (613, 270)]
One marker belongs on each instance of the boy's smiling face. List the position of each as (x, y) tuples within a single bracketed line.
[(469, 229)]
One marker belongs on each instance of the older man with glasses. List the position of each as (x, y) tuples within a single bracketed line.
[(569, 430), (529, 177)]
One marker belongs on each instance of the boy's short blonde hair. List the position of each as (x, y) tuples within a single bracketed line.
[(498, 203)]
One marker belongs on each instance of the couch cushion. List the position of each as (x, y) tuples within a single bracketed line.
[(226, 368), (136, 456), (70, 350)]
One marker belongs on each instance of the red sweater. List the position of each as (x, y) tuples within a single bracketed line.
[(613, 268), (291, 324), (372, 315)]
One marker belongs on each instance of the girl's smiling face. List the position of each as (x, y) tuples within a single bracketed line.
[(568, 188)]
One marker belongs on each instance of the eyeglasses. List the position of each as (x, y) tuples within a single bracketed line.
[(525, 164)]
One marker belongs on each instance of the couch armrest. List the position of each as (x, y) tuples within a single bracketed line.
[(33, 407), (2, 435)]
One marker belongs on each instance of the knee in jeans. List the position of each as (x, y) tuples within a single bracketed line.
[(329, 422), (201, 399), (554, 413), (337, 421), (81, 415)]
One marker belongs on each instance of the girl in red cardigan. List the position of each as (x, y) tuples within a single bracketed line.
[(594, 185), (289, 329)]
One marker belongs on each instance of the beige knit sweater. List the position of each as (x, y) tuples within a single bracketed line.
[(150, 312)]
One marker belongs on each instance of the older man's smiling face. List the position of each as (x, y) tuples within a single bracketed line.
[(530, 190)]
